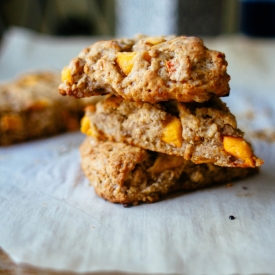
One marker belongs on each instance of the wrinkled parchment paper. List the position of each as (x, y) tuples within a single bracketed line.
[(50, 217)]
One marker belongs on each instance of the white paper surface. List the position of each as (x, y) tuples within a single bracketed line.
[(50, 217)]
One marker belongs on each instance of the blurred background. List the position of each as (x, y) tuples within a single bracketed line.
[(151, 17)]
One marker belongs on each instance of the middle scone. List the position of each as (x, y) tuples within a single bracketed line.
[(200, 132)]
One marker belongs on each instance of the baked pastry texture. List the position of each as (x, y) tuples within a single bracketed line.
[(126, 174), (148, 69), (200, 132), (31, 107)]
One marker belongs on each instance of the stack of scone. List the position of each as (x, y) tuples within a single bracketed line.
[(162, 126)]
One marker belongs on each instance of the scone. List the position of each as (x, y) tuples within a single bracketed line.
[(200, 132), (148, 69), (126, 174), (31, 107)]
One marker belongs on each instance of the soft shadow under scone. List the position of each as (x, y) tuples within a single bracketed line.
[(126, 174), (30, 107), (196, 131), (148, 69)]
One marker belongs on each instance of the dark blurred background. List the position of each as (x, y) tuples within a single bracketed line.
[(152, 17)]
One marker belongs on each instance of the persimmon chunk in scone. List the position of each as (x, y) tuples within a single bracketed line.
[(200, 132), (148, 69)]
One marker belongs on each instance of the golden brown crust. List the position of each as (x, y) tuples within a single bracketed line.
[(30, 107), (125, 174), (202, 128), (179, 68)]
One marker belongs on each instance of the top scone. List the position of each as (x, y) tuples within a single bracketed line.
[(148, 69)]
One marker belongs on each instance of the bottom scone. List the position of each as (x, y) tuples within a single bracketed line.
[(126, 174)]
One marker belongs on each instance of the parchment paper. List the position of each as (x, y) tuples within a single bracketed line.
[(51, 218)]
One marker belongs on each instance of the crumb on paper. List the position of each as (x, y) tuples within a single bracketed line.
[(244, 194), (267, 135), (250, 114), (250, 124), (229, 185)]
